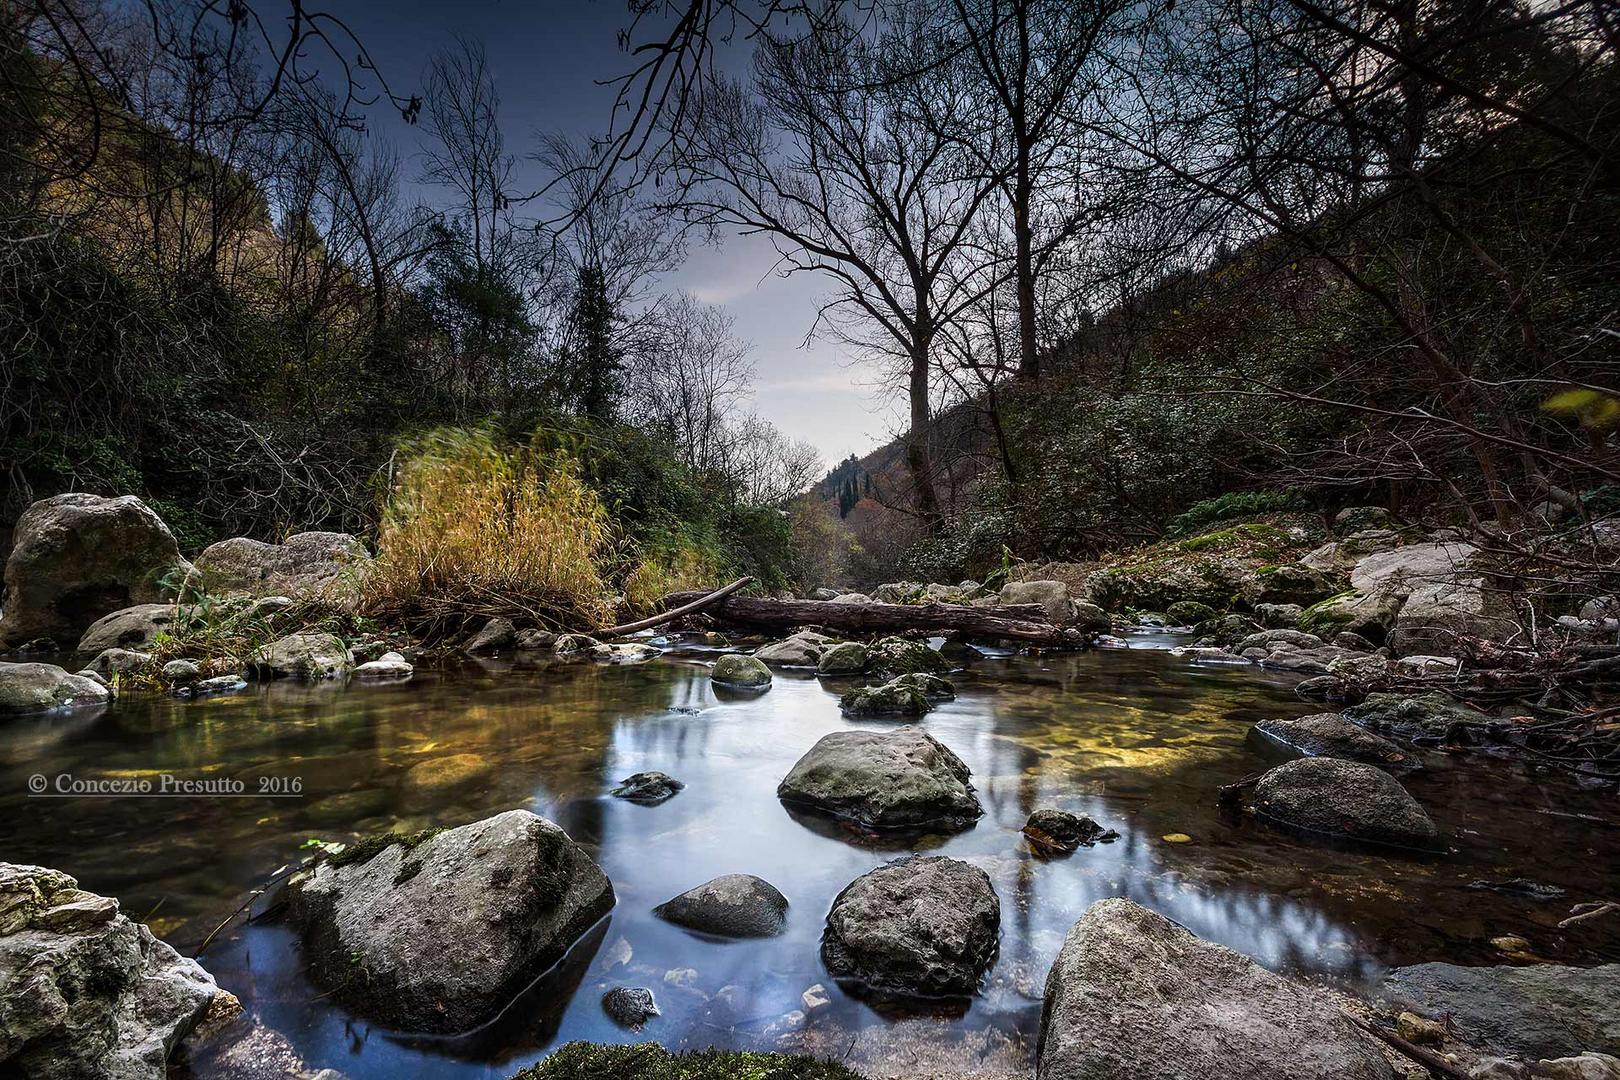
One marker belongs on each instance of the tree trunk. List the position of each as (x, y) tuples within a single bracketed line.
[(919, 459), (1017, 622)]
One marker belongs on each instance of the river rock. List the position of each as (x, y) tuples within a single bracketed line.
[(76, 557), (893, 656), (1090, 617), (1058, 832), (111, 662), (1353, 519), (1290, 584), (438, 934), (1427, 717), (1279, 616), (1331, 735), (741, 672), (1189, 613), (325, 567), (135, 627), (903, 779), (845, 658), (303, 656), (1400, 570), (390, 665), (35, 688), (1227, 630), (852, 598), (1441, 616), (580, 646), (629, 1006), (648, 788), (84, 991), (733, 906), (904, 695), (802, 650), (923, 926), (181, 672), (1053, 596), (632, 652), (1133, 995), (899, 592), (1532, 1010), (494, 636), (1267, 639), (1347, 799), (1371, 615)]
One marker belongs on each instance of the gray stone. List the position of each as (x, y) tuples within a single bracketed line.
[(1090, 617), (1345, 799), (632, 652), (852, 598), (439, 935), (802, 650), (35, 688), (916, 926), (1600, 608), (1440, 616), (390, 665), (629, 1006), (1189, 613), (1353, 519), (1428, 717), (1331, 735), (112, 662), (899, 592), (494, 636), (76, 557), (648, 788), (1058, 832), (84, 991), (532, 640), (903, 656), (219, 684), (845, 658), (733, 906), (1532, 1011), (578, 646), (903, 779), (181, 672), (1134, 996), (303, 656), (741, 672), (135, 627), (1266, 639), (1401, 570), (1279, 616), (323, 567), (904, 695), (1053, 596)]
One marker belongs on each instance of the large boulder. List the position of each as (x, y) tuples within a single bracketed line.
[(1370, 615), (1346, 799), (916, 926), (1133, 995), (304, 656), (732, 906), (1401, 570), (1289, 583), (903, 779), (75, 558), (326, 567), (1053, 596), (904, 695), (845, 658), (1331, 735), (1445, 616), (135, 627), (84, 991), (439, 933), (34, 688), (893, 656), (1531, 1011)]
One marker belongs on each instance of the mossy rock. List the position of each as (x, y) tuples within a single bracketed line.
[(649, 1061), (1189, 613), (901, 656), (845, 658), (891, 699), (737, 670)]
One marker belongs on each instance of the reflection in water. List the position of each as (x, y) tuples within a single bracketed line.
[(1137, 739)]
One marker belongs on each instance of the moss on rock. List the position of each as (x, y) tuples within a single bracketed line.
[(649, 1061)]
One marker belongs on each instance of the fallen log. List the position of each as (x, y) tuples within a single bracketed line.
[(702, 601), (1015, 622)]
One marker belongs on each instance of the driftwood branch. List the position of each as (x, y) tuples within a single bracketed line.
[(1023, 622), (702, 601), (1437, 1065)]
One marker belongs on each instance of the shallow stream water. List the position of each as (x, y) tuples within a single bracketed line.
[(1138, 739)]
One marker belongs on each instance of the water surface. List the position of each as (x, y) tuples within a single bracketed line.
[(1138, 739)]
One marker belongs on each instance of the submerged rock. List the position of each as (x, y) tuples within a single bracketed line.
[(923, 926), (1058, 832), (34, 688), (902, 656), (84, 991), (1133, 995), (324, 567), (741, 672), (76, 557), (629, 1006), (510, 893), (845, 658), (903, 779), (137, 627), (648, 788), (1331, 735), (733, 905), (1532, 1011), (1345, 799), (303, 656)]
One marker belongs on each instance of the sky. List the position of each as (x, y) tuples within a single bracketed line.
[(548, 58)]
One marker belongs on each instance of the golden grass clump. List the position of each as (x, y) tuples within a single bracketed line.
[(471, 527), (675, 568)]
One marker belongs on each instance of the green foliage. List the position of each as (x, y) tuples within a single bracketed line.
[(1234, 504), (649, 1061)]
